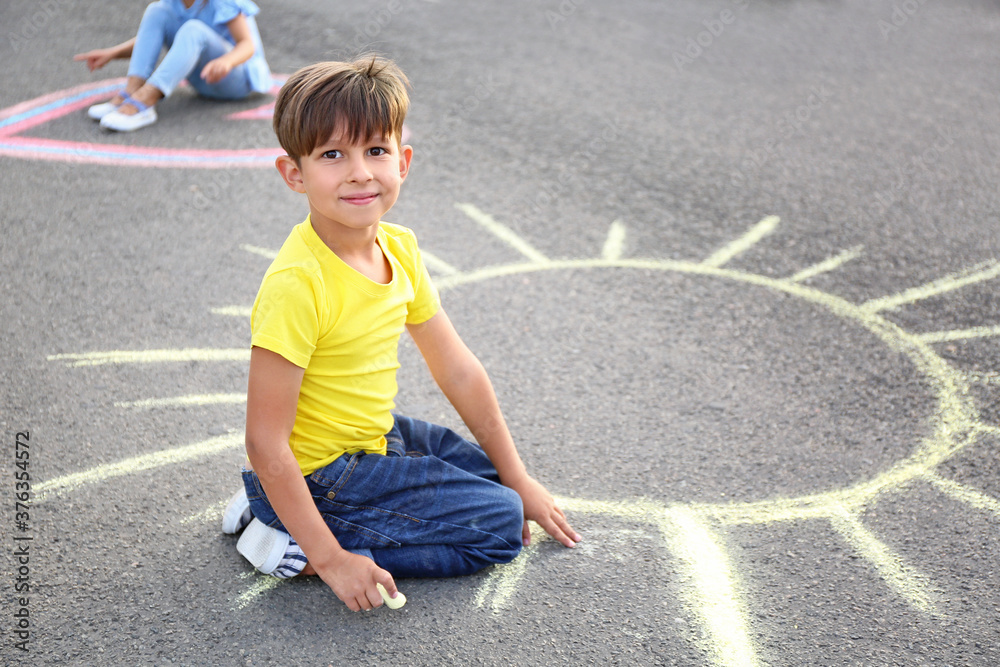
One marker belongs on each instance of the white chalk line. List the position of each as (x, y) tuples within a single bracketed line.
[(965, 494), (959, 334), (744, 243), (827, 265), (233, 311), (712, 590), (970, 276), (502, 232), (502, 582), (152, 356), (261, 585), (903, 578), (195, 400), (437, 265), (208, 515), (257, 250), (136, 464), (615, 243)]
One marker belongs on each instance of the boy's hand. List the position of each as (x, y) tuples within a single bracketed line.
[(96, 59), (352, 578), (540, 507)]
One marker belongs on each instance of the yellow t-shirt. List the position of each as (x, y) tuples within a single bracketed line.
[(343, 329)]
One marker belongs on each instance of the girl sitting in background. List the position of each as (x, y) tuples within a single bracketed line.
[(214, 44)]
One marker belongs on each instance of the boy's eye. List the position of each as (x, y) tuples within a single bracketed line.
[(378, 151), (331, 154)]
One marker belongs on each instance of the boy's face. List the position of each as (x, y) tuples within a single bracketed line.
[(350, 186)]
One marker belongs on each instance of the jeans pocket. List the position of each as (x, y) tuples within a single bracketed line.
[(333, 476)]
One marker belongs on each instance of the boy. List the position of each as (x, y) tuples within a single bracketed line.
[(338, 485)]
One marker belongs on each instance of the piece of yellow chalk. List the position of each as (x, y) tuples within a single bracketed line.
[(392, 603)]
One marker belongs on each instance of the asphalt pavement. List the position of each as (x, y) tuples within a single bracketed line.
[(732, 266)]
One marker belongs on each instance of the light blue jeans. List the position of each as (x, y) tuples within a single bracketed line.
[(190, 46), (433, 506)]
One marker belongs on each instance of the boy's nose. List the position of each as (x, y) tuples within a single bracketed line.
[(360, 171)]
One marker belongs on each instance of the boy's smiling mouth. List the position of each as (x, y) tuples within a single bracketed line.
[(360, 199)]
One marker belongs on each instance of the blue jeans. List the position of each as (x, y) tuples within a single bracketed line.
[(433, 506), (190, 46)]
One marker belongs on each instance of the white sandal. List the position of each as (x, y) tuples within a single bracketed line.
[(120, 122), (99, 111)]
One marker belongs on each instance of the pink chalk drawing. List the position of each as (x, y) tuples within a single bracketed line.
[(20, 118)]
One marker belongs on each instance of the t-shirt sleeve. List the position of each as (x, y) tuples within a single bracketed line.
[(226, 10), (285, 318), (426, 300)]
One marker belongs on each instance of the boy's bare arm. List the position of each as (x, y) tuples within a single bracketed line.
[(272, 396), (467, 386)]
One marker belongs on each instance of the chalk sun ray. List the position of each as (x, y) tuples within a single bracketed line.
[(909, 583), (192, 400), (212, 513), (136, 464), (615, 243), (827, 265), (437, 265), (959, 334), (975, 274), (712, 586), (502, 582), (261, 585), (965, 494), (984, 378), (502, 232), (257, 250), (151, 356), (232, 311), (752, 236)]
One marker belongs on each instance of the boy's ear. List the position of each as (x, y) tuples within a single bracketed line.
[(405, 155), (290, 172)]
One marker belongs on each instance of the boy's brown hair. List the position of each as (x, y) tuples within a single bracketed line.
[(364, 98)]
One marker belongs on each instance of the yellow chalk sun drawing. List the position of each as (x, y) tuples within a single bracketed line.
[(688, 530)]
